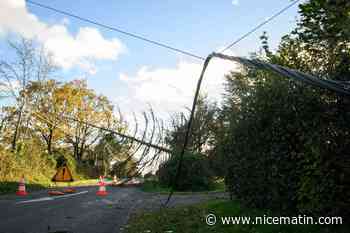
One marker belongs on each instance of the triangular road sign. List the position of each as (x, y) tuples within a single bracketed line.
[(63, 174)]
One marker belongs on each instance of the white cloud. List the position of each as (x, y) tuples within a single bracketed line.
[(89, 67), (169, 90), (235, 2), (65, 21), (68, 50)]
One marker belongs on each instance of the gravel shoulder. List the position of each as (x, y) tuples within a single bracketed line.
[(154, 201)]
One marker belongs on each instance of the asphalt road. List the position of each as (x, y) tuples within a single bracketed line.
[(82, 212)]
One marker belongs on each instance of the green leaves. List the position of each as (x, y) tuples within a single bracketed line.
[(195, 176), (285, 146)]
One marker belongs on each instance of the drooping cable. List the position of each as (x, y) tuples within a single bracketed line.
[(341, 88)]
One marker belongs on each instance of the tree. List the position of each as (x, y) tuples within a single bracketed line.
[(201, 131), (196, 174), (48, 103), (324, 30), (110, 150), (30, 64), (86, 106), (286, 142)]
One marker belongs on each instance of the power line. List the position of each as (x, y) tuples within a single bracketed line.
[(157, 43), (130, 34), (259, 26)]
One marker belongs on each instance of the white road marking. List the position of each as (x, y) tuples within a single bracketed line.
[(36, 200), (70, 195), (51, 198)]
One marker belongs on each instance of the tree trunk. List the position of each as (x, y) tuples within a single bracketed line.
[(49, 142), (81, 153), (18, 123), (76, 150)]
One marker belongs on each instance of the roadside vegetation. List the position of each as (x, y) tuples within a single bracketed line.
[(281, 145), (192, 219), (38, 169), (153, 186), (36, 135)]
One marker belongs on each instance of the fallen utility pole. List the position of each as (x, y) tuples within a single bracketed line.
[(120, 134)]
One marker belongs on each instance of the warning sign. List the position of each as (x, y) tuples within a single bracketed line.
[(63, 174)]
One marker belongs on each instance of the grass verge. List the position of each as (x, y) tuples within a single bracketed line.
[(192, 219), (153, 186), (87, 182)]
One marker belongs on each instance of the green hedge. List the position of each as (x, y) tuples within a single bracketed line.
[(288, 149), (195, 174)]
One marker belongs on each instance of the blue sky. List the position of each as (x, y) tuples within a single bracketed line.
[(197, 26)]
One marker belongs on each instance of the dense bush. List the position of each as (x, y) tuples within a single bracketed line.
[(150, 176), (288, 143), (195, 174), (287, 146), (36, 166)]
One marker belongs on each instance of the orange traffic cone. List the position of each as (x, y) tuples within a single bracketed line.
[(102, 188), (21, 188)]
